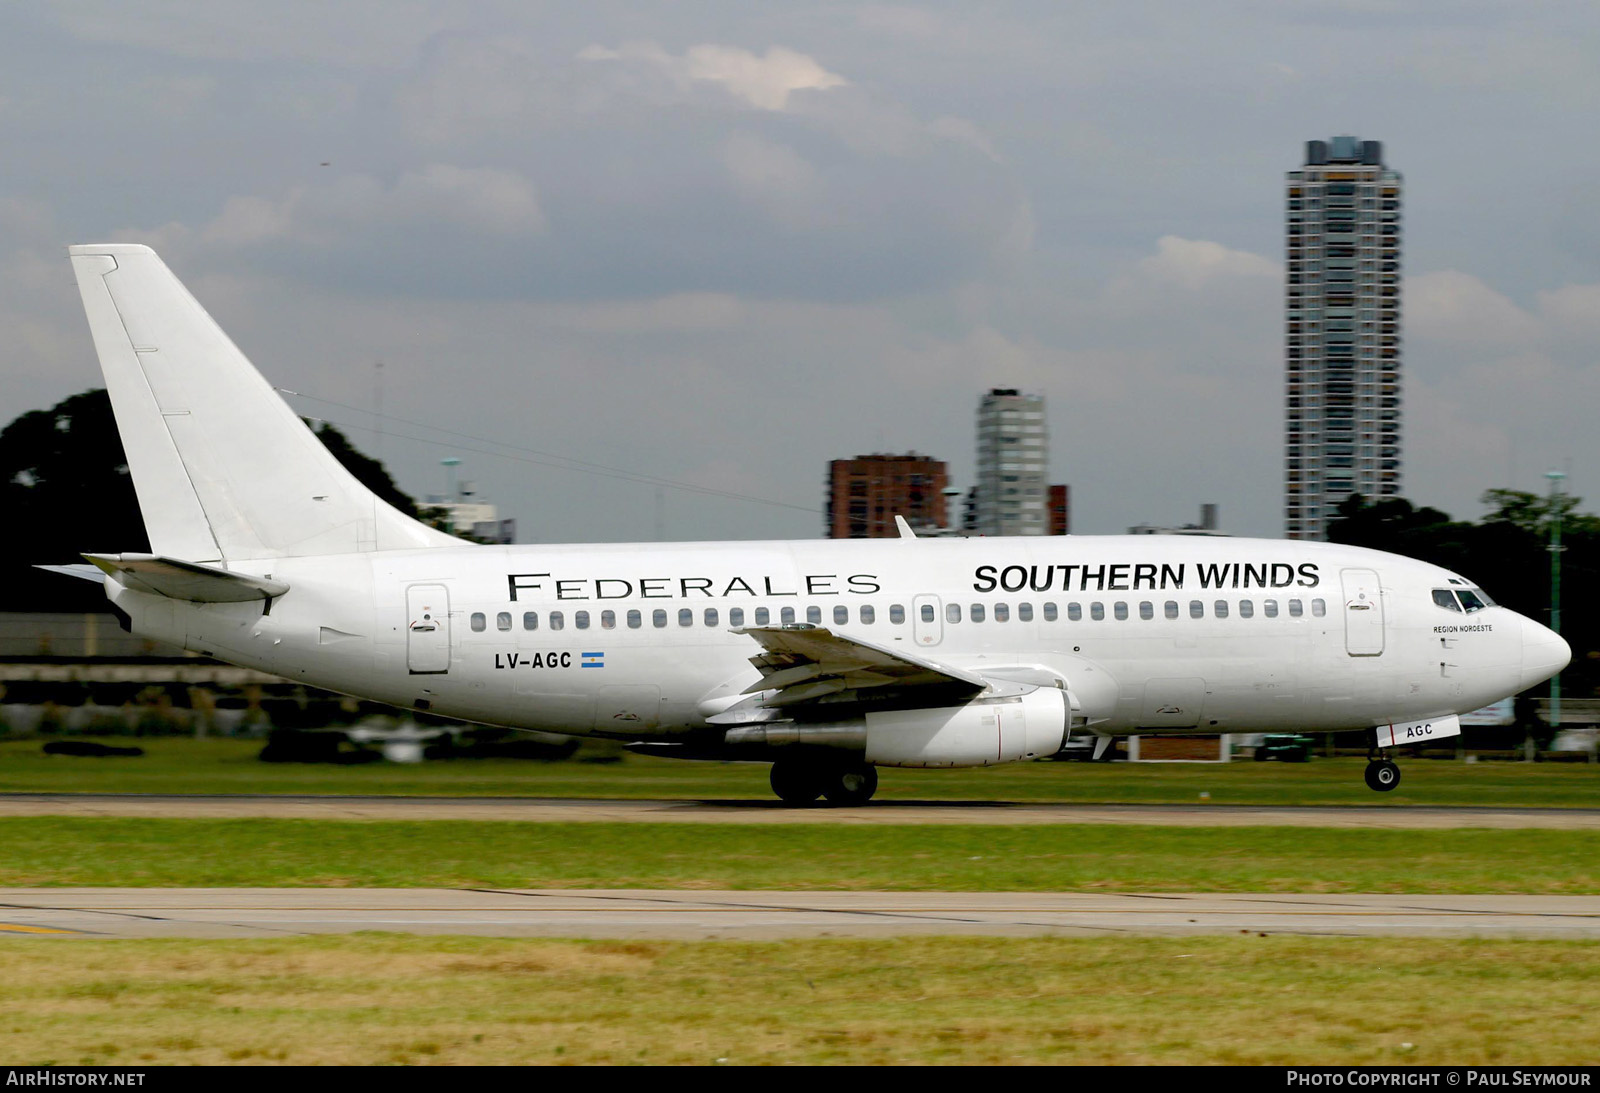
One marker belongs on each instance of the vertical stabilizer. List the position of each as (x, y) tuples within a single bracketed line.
[(224, 469)]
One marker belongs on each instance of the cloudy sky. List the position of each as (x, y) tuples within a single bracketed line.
[(719, 244)]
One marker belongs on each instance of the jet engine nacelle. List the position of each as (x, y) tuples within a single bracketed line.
[(985, 731)]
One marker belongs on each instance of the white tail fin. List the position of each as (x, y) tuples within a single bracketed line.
[(224, 469)]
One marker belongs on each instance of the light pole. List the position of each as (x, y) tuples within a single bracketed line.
[(1556, 548), (450, 463)]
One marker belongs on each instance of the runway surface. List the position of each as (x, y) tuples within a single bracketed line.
[(573, 810), (279, 912)]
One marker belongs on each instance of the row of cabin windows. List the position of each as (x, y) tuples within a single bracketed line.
[(867, 615)]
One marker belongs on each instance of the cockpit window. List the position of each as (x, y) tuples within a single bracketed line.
[(1446, 599), (1472, 599)]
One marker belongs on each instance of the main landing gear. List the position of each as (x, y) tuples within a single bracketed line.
[(799, 781), (1382, 774)]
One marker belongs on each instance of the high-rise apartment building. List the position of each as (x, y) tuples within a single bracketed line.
[(866, 493), (1342, 335), (1013, 450)]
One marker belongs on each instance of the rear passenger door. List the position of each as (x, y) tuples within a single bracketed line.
[(427, 629)]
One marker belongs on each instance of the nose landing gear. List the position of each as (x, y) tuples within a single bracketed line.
[(1382, 774)]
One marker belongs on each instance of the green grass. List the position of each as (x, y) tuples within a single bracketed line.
[(373, 999), (40, 851), (230, 766)]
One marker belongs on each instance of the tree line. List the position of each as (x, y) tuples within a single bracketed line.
[(65, 490), (1507, 552)]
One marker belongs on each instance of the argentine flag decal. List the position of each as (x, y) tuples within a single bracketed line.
[(592, 660)]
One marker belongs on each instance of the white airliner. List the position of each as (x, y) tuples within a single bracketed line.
[(826, 658)]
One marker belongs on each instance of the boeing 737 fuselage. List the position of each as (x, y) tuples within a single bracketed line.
[(828, 658)]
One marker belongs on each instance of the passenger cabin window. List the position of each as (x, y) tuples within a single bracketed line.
[(1446, 599), (1296, 609), (1097, 611), (480, 621), (1024, 612), (763, 617), (1221, 608), (1197, 610), (1049, 612), (1247, 609), (952, 612), (1074, 612), (1171, 609), (1319, 608), (635, 620), (580, 619), (711, 616), (608, 620), (927, 612), (814, 615), (735, 616), (658, 618), (1120, 609), (502, 621), (869, 614), (1147, 610), (530, 620), (977, 612), (1002, 612), (786, 616), (685, 616), (841, 615), (557, 620), (897, 614)]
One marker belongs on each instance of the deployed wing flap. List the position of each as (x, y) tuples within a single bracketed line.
[(806, 663), (181, 580)]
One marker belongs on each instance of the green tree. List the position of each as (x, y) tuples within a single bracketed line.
[(1507, 552), (66, 489), (368, 471)]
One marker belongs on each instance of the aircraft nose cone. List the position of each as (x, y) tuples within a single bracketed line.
[(1544, 653)]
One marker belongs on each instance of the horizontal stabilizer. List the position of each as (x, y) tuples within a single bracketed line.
[(180, 580), (80, 570)]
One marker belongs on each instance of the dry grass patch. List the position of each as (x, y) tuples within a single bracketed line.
[(367, 999)]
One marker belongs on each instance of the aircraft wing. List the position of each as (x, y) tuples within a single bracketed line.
[(806, 663)]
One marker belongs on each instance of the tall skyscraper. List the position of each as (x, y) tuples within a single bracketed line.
[(866, 493), (1013, 450), (1342, 335)]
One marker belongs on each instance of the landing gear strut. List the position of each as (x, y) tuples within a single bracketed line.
[(1382, 774), (800, 782)]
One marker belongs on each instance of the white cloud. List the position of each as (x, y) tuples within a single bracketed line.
[(1573, 310), (1456, 307), (479, 200), (764, 81), (773, 176), (1194, 263)]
